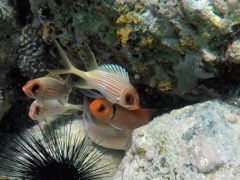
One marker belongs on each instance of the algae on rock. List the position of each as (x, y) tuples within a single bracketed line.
[(196, 142)]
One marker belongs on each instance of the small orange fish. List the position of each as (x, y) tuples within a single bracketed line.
[(111, 81), (119, 116), (51, 108), (46, 88)]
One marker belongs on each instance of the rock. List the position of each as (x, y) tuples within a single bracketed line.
[(233, 51), (195, 142)]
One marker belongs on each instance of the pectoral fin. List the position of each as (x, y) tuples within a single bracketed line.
[(63, 100), (83, 84), (116, 127)]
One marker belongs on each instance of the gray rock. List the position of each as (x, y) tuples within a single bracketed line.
[(195, 142)]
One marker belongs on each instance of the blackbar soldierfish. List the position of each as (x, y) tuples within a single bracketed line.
[(119, 116)]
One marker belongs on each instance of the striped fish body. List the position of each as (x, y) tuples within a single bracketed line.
[(114, 88), (50, 108), (46, 88), (111, 81)]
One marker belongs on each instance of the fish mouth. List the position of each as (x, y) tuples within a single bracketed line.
[(32, 116), (27, 92)]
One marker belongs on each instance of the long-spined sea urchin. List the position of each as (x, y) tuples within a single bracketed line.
[(28, 156)]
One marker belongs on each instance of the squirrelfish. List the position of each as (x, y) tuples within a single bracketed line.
[(111, 81), (51, 108), (46, 88), (118, 116), (102, 133)]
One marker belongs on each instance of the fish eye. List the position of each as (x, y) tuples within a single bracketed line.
[(129, 99), (35, 88), (101, 108), (37, 110)]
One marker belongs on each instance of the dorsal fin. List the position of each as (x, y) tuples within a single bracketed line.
[(55, 76), (88, 57), (115, 69)]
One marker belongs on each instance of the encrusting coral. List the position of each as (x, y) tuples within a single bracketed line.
[(195, 142), (188, 72)]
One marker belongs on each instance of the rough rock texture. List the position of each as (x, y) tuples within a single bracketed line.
[(160, 43), (150, 38), (195, 142)]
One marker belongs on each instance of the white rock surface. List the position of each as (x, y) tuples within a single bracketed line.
[(196, 142)]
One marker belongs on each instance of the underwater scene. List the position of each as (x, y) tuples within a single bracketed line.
[(119, 89)]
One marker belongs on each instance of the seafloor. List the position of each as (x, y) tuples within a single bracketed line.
[(182, 57)]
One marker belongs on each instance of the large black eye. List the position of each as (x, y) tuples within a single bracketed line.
[(37, 109), (35, 88), (129, 99), (101, 108)]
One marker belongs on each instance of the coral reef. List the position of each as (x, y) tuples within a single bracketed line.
[(188, 72), (176, 53), (5, 10), (171, 48), (199, 141), (32, 59), (233, 50)]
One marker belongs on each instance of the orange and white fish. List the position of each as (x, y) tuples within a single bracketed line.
[(118, 116), (46, 88), (103, 133), (51, 109), (111, 81)]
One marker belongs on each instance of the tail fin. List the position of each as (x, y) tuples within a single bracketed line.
[(63, 55), (70, 69)]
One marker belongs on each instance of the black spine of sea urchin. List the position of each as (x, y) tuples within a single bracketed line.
[(50, 157)]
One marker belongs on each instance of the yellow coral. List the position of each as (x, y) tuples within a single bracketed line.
[(139, 8), (123, 9), (187, 44), (129, 18), (4, 178), (147, 42), (165, 85), (122, 19), (47, 29), (123, 33), (141, 151)]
